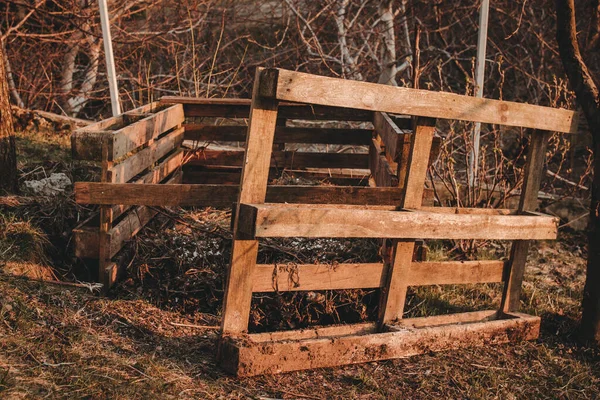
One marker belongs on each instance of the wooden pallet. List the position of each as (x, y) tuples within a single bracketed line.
[(402, 167), (142, 146), (212, 175)]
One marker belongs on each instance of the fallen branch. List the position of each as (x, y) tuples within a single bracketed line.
[(560, 178)]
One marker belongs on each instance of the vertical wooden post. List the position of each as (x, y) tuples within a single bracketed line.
[(253, 189), (105, 266), (393, 295), (536, 156)]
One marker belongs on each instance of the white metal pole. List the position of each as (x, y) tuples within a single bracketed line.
[(110, 60), (479, 78)]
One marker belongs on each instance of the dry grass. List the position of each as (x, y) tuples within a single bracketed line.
[(65, 342)]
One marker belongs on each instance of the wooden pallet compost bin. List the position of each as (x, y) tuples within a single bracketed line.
[(142, 150), (381, 214)]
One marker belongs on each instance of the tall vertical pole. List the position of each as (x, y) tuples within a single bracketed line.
[(110, 59), (479, 77)]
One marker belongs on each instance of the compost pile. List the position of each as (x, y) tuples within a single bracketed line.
[(180, 262)]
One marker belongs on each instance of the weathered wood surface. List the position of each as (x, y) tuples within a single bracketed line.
[(511, 295), (253, 188), (144, 159), (303, 277), (220, 174), (330, 221), (86, 142), (313, 89), (285, 159), (240, 108), (381, 171), (233, 133), (245, 357), (186, 195), (137, 134), (393, 296)]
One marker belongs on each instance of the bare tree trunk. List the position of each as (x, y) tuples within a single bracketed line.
[(8, 155), (389, 69), (588, 97)]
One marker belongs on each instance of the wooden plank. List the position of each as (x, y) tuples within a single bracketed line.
[(233, 133), (393, 296), (274, 220), (454, 272), (245, 357), (285, 159), (135, 135), (185, 195), (511, 295), (253, 188), (128, 227), (132, 166), (381, 171), (313, 89), (317, 332), (86, 142), (85, 241), (157, 174), (293, 277), (240, 108), (303, 277), (391, 135)]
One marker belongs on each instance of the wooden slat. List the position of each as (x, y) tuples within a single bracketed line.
[(381, 171), (232, 133), (528, 202), (132, 166), (231, 175), (391, 135), (128, 227), (138, 133), (253, 188), (285, 159), (329, 221), (391, 304), (86, 142), (155, 175), (246, 357), (185, 195), (303, 277), (313, 89), (240, 108)]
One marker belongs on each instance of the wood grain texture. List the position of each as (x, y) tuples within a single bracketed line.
[(393, 295), (307, 88), (253, 188), (137, 134), (284, 159), (232, 133), (303, 277), (536, 156), (144, 159), (245, 357), (330, 221), (186, 195)]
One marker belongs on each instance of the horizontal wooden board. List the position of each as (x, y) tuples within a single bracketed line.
[(137, 134), (303, 277), (240, 108), (233, 133), (313, 89), (144, 159), (285, 159), (215, 174), (246, 357), (86, 142), (275, 220), (184, 195), (156, 175)]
